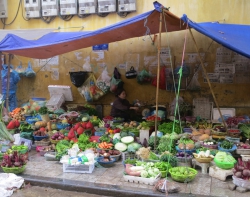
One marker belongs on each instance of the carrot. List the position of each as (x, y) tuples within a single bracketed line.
[(110, 144)]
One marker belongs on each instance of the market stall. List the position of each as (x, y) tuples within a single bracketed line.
[(80, 141)]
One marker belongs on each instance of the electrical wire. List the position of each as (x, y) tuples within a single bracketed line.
[(26, 19), (103, 14), (123, 14), (3, 21), (83, 15)]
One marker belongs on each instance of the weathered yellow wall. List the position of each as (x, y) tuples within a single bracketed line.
[(227, 11)]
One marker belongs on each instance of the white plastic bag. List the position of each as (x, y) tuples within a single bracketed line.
[(103, 81)]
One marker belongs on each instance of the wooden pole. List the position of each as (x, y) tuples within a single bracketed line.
[(8, 84), (158, 77), (208, 81)]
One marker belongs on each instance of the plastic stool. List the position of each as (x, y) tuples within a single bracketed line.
[(204, 166)]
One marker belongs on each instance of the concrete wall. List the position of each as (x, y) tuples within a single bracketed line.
[(136, 50)]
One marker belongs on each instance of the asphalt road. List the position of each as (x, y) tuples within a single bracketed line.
[(35, 191)]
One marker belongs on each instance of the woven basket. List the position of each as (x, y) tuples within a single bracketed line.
[(213, 146), (233, 134), (42, 143), (54, 141), (15, 170), (204, 159)]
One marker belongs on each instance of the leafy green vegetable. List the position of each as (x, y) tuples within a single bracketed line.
[(130, 161), (151, 142), (167, 127), (166, 144), (153, 156), (43, 110), (172, 160)]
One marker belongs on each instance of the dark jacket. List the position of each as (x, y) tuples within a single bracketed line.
[(120, 107)]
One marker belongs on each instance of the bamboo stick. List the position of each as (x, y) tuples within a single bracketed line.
[(158, 77)]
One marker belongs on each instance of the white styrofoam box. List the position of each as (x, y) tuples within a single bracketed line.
[(55, 102), (136, 179), (78, 168), (241, 182), (60, 89), (224, 111), (219, 173)]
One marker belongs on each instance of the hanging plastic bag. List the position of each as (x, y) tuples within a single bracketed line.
[(194, 84), (20, 70), (78, 78), (166, 186), (116, 82), (89, 89), (103, 81), (162, 79), (29, 72), (144, 77)]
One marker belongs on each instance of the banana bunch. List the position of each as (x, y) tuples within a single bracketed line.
[(205, 125)]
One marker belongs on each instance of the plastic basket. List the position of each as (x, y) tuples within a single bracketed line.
[(187, 130), (54, 141), (127, 155), (106, 163), (39, 138), (235, 134), (183, 178), (60, 126), (186, 151), (99, 133), (213, 146), (224, 165), (232, 139), (227, 150), (116, 157), (78, 168), (15, 170)]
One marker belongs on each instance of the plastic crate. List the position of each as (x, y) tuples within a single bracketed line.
[(202, 108), (127, 155), (55, 102), (147, 181), (78, 168)]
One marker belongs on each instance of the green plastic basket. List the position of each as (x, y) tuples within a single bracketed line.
[(163, 174), (181, 177), (224, 165), (15, 170)]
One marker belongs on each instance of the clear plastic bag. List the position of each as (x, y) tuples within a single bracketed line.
[(166, 186), (29, 72), (103, 81), (194, 84), (20, 70), (144, 77), (89, 89)]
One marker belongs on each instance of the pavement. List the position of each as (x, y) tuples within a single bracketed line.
[(110, 181)]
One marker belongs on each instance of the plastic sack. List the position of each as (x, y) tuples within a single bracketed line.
[(165, 186), (144, 77), (162, 79), (89, 90), (20, 70), (103, 81), (29, 72), (116, 82), (78, 78), (13, 80), (194, 84), (241, 182)]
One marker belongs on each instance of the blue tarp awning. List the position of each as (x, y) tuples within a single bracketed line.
[(57, 43), (232, 36)]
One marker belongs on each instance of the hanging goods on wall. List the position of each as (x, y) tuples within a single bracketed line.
[(144, 77), (29, 72), (78, 78), (116, 81), (103, 81), (162, 80), (131, 74), (89, 89), (20, 70)]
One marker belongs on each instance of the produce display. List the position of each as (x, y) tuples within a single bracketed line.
[(77, 134)]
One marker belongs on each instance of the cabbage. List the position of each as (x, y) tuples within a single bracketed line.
[(127, 139), (133, 147), (117, 135), (144, 174), (120, 146)]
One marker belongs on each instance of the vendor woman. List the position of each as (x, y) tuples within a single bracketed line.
[(121, 106)]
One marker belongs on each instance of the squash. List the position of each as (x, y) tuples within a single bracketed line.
[(49, 126), (39, 124)]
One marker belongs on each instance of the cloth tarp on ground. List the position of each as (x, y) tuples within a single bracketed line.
[(57, 43), (232, 36)]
